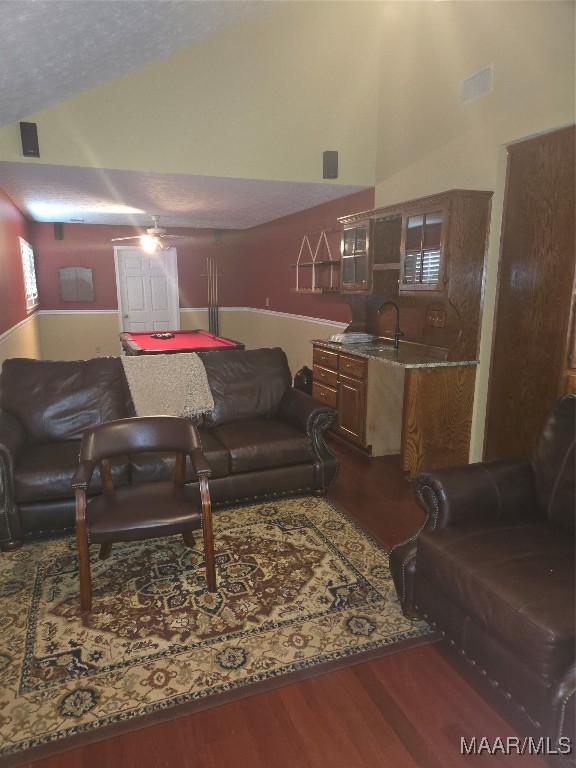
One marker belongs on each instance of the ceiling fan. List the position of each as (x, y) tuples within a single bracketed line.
[(154, 239)]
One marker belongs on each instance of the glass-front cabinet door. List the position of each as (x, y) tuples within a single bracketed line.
[(355, 265), (421, 264)]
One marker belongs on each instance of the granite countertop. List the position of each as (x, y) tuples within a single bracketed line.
[(408, 356)]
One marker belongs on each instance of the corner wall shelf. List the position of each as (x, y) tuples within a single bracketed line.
[(317, 261)]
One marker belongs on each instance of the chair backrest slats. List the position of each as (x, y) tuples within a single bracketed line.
[(144, 434), (106, 475)]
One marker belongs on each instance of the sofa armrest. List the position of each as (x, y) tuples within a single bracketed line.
[(564, 705), (12, 442), (402, 559), (305, 413), (477, 494), (12, 435)]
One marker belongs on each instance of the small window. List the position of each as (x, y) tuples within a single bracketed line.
[(29, 274), (421, 268)]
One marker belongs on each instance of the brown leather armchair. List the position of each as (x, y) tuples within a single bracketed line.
[(147, 510), (493, 569)]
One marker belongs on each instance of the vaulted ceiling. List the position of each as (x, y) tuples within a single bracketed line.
[(53, 49), (98, 196), (209, 113)]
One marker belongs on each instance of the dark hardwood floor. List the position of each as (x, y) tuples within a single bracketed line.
[(408, 710)]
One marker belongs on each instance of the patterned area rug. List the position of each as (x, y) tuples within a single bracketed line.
[(300, 585)]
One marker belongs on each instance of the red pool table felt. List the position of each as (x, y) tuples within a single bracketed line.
[(183, 341)]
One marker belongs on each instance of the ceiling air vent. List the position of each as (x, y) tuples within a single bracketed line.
[(478, 84)]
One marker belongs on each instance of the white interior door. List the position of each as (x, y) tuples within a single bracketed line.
[(147, 286)]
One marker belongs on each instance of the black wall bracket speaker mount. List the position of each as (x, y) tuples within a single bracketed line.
[(330, 164), (29, 136)]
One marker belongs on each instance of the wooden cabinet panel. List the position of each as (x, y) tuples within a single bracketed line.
[(529, 354), (569, 384), (423, 413), (323, 394), (325, 376), (437, 417), (325, 358), (352, 366), (352, 409)]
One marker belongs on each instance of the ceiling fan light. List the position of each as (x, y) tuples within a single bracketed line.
[(150, 244)]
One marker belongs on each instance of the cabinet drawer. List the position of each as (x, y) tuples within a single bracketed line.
[(324, 394), (325, 358), (352, 409), (352, 366), (325, 376)]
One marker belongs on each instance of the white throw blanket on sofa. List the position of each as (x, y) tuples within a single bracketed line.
[(168, 385)]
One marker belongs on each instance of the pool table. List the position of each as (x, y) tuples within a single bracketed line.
[(142, 343)]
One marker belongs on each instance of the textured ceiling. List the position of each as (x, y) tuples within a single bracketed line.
[(52, 49), (95, 196)]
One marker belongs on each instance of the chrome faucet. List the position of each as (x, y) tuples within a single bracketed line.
[(397, 332)]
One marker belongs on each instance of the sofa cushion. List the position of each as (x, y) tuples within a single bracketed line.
[(263, 443), (45, 471), (516, 580), (59, 400), (554, 464), (246, 384), (153, 467)]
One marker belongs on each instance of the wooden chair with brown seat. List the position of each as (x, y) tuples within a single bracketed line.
[(144, 511)]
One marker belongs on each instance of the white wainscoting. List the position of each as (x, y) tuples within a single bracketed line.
[(77, 334), (22, 340)]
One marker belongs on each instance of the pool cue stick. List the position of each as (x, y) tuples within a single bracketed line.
[(216, 312), (214, 330), (208, 289), (211, 314), (211, 296)]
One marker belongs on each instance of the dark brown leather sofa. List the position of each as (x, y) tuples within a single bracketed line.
[(263, 439), (493, 569)]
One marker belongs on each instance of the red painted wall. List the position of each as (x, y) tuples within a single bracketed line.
[(88, 245), (268, 251), (254, 264), (12, 226)]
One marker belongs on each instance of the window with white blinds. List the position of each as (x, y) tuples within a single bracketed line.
[(29, 274), (423, 267), (422, 255)]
